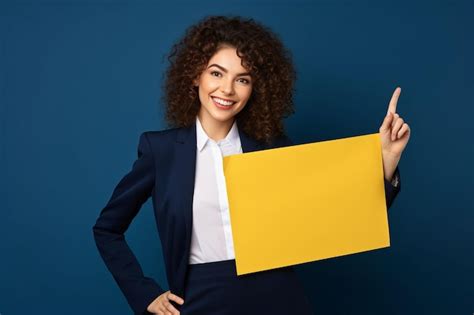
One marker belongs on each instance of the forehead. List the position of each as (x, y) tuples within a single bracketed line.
[(227, 57)]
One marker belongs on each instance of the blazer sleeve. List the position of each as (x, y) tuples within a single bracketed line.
[(392, 188), (114, 219)]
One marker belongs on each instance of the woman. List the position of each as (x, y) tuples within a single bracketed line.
[(227, 90)]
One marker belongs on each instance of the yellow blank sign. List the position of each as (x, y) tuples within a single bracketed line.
[(306, 202)]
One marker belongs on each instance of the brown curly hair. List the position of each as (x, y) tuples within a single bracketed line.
[(263, 55)]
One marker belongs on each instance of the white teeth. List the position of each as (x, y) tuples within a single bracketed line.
[(222, 102)]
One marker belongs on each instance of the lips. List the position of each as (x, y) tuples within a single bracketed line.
[(220, 106), (224, 99), (225, 107)]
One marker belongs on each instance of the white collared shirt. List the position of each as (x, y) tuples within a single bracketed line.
[(211, 238)]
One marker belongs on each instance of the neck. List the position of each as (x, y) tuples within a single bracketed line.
[(215, 130)]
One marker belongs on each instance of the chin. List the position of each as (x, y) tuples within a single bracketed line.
[(223, 117)]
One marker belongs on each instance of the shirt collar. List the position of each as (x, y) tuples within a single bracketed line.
[(232, 136)]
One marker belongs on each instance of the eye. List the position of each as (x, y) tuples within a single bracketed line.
[(217, 73)]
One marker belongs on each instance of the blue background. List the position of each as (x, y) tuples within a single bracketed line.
[(80, 80)]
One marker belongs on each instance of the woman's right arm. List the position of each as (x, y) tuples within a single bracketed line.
[(114, 219)]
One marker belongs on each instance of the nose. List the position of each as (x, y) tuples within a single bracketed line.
[(227, 87)]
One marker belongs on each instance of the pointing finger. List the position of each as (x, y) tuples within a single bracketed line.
[(392, 106)]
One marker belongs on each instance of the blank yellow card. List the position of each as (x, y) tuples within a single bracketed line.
[(306, 202)]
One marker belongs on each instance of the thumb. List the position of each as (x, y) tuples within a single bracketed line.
[(386, 123)]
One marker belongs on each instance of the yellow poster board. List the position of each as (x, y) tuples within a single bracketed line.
[(306, 202)]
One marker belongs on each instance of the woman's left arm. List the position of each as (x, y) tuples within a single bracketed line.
[(394, 134)]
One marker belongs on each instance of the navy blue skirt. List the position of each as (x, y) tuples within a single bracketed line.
[(215, 289)]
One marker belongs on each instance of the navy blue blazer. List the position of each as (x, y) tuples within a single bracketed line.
[(164, 170)]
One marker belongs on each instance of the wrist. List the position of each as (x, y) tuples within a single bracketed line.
[(390, 163)]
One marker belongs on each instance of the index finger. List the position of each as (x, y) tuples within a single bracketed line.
[(392, 106)]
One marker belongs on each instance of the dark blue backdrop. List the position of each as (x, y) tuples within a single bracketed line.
[(80, 80)]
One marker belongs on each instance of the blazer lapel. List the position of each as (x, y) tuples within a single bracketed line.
[(248, 143), (186, 148)]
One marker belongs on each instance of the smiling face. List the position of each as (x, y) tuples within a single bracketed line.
[(224, 88)]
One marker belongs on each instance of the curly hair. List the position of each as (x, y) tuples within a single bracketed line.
[(263, 55)]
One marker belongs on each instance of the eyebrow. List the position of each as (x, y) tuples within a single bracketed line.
[(225, 70)]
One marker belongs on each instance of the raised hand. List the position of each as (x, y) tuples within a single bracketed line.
[(394, 135)]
